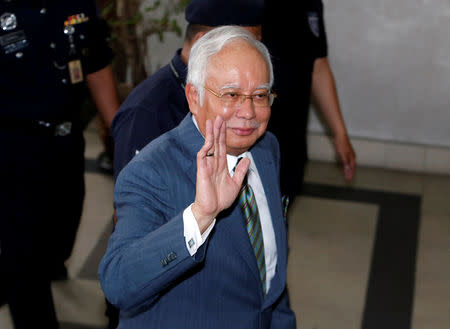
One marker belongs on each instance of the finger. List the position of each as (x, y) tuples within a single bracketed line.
[(206, 148), (352, 166), (222, 139), (241, 170), (217, 126), (222, 151), (348, 173), (349, 167)]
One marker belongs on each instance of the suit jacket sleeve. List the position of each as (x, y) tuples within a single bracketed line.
[(147, 250)]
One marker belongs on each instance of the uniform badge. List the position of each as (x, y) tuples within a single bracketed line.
[(313, 21), (76, 71), (13, 42), (69, 30), (76, 19), (8, 21)]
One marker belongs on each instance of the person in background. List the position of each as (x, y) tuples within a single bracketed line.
[(201, 240), (300, 72), (51, 54)]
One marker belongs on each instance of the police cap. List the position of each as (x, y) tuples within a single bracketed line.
[(225, 12)]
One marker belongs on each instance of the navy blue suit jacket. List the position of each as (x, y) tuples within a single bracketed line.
[(147, 271)]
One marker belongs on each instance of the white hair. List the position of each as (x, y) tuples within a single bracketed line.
[(213, 42)]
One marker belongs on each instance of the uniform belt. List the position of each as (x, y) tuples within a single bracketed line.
[(37, 127)]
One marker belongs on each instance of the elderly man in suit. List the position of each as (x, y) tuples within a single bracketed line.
[(201, 236)]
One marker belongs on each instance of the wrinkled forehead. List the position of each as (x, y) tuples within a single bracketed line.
[(236, 55)]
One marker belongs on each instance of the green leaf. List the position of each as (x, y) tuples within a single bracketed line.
[(155, 6), (107, 9), (135, 19)]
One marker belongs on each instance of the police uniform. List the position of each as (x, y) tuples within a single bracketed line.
[(46, 50), (155, 106), (293, 66)]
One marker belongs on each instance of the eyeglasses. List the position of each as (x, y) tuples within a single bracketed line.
[(262, 98)]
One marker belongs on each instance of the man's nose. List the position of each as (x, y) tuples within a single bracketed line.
[(246, 108)]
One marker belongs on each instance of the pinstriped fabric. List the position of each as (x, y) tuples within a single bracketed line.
[(251, 216)]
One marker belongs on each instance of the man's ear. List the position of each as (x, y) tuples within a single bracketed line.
[(192, 97), (198, 35)]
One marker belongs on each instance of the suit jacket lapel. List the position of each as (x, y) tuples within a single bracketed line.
[(191, 141), (266, 168), (231, 221)]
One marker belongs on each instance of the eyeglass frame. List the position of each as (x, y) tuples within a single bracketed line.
[(270, 93)]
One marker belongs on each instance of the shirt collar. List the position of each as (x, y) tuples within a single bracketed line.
[(232, 160)]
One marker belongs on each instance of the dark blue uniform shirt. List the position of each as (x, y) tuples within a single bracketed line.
[(293, 68), (155, 106), (35, 80)]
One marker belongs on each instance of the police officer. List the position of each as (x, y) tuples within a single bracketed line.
[(158, 104), (301, 67), (50, 51)]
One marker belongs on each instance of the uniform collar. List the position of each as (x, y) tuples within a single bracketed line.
[(179, 69)]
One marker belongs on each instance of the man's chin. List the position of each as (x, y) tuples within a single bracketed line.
[(239, 148)]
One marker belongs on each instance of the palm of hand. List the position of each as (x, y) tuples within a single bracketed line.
[(216, 190)]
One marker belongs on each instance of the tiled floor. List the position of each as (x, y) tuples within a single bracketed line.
[(373, 254)]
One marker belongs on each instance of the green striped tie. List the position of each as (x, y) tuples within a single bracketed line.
[(251, 215)]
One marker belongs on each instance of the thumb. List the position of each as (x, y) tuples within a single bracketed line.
[(241, 170)]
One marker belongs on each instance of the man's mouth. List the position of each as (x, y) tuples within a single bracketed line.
[(243, 131)]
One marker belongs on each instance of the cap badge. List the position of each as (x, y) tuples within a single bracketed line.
[(76, 19), (8, 21), (313, 21)]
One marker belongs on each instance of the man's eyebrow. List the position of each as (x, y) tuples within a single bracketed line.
[(236, 86), (230, 86), (264, 86)]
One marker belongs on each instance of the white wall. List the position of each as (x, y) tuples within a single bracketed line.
[(391, 60), (160, 53)]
